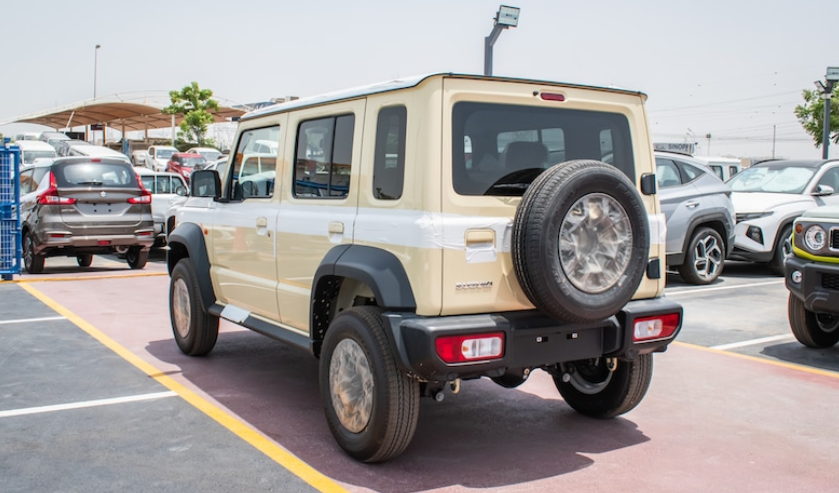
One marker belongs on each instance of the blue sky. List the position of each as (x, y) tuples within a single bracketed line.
[(734, 69)]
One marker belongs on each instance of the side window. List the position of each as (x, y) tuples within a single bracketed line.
[(323, 157), (389, 162), (163, 184), (27, 184), (732, 170), (831, 179), (148, 183), (717, 171), (254, 165), (667, 173), (691, 172)]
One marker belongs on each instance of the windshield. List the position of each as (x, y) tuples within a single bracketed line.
[(210, 155), (29, 157), (191, 162), (165, 153), (772, 179)]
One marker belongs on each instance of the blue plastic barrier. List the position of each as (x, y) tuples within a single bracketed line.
[(10, 251)]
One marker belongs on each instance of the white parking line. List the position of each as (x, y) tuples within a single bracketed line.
[(721, 288), (84, 404), (27, 320), (733, 345)]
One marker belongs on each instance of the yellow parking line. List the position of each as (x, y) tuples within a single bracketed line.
[(278, 454), (87, 278), (781, 364)]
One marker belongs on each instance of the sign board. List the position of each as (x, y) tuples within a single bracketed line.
[(683, 147), (832, 74), (97, 126), (508, 16)]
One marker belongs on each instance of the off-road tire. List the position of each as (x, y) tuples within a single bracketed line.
[(704, 257), (816, 330), (371, 406), (195, 330), (595, 391), (558, 242)]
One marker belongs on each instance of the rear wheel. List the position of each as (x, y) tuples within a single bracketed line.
[(137, 257), (704, 257), (371, 406), (593, 389), (817, 330), (195, 330), (84, 260), (33, 262)]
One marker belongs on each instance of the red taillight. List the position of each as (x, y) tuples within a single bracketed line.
[(550, 96), (145, 195), (50, 195), (472, 347), (655, 328)]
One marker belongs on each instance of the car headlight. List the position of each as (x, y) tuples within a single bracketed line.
[(815, 238), (748, 216)]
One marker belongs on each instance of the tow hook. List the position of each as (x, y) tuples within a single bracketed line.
[(612, 364), (455, 386)]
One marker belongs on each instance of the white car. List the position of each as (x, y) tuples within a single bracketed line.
[(158, 156), (167, 190), (769, 196), (210, 154)]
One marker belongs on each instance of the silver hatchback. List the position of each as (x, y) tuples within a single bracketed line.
[(700, 217), (81, 206)]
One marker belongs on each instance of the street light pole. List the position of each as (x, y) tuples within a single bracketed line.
[(831, 78), (95, 67), (505, 17)]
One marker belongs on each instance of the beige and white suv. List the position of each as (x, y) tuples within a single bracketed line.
[(426, 231)]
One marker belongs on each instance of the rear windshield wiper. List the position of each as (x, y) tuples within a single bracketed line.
[(92, 182)]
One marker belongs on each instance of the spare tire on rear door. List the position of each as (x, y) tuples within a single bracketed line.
[(581, 241)]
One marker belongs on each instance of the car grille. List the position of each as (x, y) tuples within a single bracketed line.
[(834, 239), (830, 281)]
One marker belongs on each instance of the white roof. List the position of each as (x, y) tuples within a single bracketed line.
[(34, 145)]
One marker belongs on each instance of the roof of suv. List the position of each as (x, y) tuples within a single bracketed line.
[(407, 82), (45, 163)]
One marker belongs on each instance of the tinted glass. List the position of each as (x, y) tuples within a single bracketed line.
[(324, 157), (389, 162), (511, 144), (94, 175)]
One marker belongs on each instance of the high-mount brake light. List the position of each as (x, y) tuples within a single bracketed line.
[(551, 96), (471, 347), (50, 195), (656, 327)]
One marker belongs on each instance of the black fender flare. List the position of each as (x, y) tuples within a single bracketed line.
[(187, 240), (703, 221), (377, 268)]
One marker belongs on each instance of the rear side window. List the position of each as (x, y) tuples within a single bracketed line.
[(389, 163), (92, 174), (499, 149), (323, 157)]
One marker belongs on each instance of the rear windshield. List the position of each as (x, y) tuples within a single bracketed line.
[(499, 149), (95, 175), (191, 162)]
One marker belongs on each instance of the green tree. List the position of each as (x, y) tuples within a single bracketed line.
[(195, 105), (811, 115)]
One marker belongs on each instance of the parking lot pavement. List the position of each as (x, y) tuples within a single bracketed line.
[(713, 420), (76, 416)]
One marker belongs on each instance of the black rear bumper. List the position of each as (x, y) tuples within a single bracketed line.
[(532, 340)]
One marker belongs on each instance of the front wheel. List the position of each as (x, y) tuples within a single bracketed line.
[(816, 330), (195, 330), (783, 249), (371, 406), (137, 257), (704, 257), (593, 389)]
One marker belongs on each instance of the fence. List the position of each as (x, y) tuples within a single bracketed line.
[(10, 254)]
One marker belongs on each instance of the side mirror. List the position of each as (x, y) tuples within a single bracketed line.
[(205, 183), (822, 190), (180, 190)]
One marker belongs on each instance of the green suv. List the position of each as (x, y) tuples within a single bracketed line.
[(812, 277)]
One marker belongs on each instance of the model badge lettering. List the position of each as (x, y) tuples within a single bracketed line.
[(474, 285)]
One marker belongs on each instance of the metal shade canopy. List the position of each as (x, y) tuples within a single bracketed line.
[(117, 114)]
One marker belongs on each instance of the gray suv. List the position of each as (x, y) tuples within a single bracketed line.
[(700, 217), (81, 206)]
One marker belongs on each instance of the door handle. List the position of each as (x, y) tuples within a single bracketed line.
[(692, 204), (262, 222), (336, 227)]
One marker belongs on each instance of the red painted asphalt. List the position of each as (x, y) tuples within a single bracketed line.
[(711, 422)]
